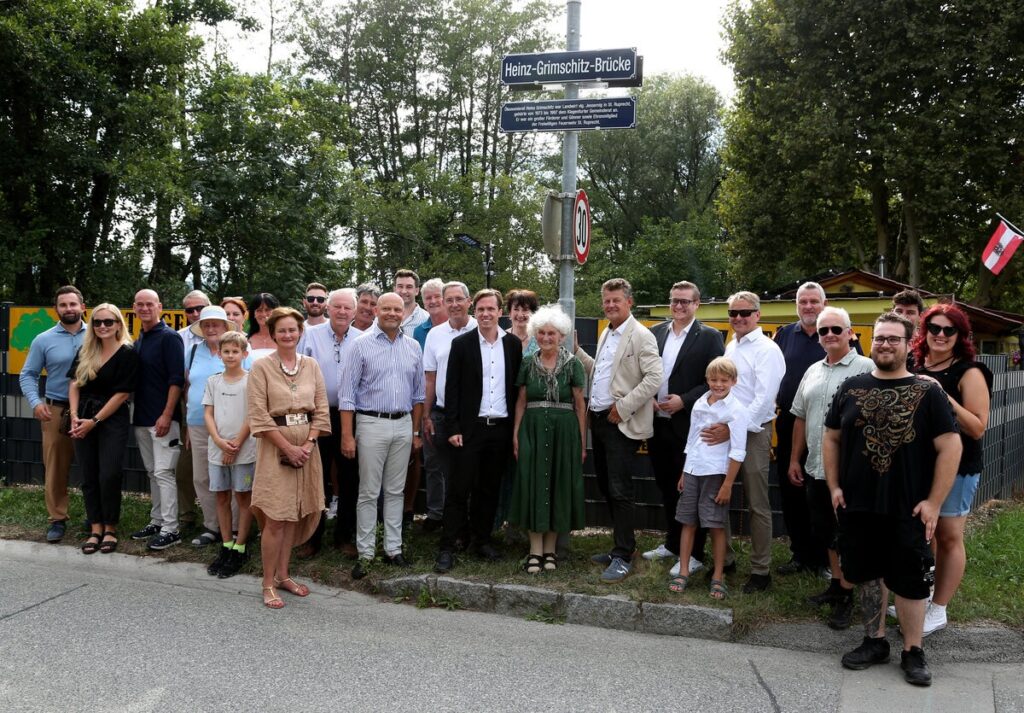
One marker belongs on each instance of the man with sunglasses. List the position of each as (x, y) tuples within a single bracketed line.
[(891, 451), (761, 367), (188, 513), (800, 348), (329, 344), (315, 303), (54, 350), (809, 405)]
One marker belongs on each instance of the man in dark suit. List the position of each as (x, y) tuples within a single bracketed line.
[(686, 347), (480, 401)]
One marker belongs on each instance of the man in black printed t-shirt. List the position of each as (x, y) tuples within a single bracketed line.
[(890, 453)]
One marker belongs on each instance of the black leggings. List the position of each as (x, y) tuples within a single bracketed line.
[(100, 456)]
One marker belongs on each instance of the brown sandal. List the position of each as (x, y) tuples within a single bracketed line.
[(89, 547), (292, 587), (108, 546), (533, 564), (275, 602)]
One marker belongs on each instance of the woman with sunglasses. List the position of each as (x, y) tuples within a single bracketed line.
[(944, 351), (103, 375), (260, 342)]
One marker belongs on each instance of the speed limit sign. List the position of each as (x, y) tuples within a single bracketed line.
[(581, 227)]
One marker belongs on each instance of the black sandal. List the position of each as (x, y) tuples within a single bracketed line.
[(550, 562), (89, 547), (108, 546), (533, 564)]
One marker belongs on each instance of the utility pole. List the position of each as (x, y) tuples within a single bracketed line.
[(570, 149)]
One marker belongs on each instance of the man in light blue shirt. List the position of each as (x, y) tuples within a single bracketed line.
[(381, 403), (53, 351)]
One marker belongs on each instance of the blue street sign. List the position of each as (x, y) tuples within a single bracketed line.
[(560, 67), (569, 115)]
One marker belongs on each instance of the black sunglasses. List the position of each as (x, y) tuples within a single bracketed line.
[(835, 329), (741, 312), (190, 310), (104, 322), (936, 330), (316, 298), (682, 302)]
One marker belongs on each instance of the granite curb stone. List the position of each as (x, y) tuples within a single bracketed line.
[(687, 620), (612, 611), (469, 595), (522, 600)]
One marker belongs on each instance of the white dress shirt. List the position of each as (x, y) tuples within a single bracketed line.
[(492, 357), (436, 350), (600, 393), (673, 343), (704, 459), (761, 367)]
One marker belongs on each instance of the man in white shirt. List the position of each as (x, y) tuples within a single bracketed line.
[(480, 402), (436, 449), (407, 286), (626, 376), (761, 367)]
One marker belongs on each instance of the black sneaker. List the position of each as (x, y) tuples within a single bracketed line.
[(235, 561), (832, 594), (794, 566), (222, 557), (842, 611), (55, 533), (757, 583), (148, 532), (915, 668), (870, 652), (162, 542), (444, 562)]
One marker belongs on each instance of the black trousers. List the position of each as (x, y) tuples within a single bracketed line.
[(100, 455), (474, 484), (348, 486), (796, 514), (616, 461), (667, 459)]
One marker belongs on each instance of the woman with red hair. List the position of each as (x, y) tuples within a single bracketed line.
[(944, 350)]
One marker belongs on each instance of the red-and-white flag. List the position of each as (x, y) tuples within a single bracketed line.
[(1001, 247)]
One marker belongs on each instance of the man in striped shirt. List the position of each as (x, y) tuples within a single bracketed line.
[(381, 402)]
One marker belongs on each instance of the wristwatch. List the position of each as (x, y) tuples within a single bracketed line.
[(310, 440), (415, 434), (95, 419)]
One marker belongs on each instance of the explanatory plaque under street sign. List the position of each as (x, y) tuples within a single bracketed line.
[(569, 115)]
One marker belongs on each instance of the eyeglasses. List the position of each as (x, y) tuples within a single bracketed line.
[(681, 302), (104, 322), (741, 312), (891, 341), (197, 308), (834, 329), (316, 298), (936, 330)]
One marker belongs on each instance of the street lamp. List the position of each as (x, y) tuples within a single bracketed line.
[(472, 242)]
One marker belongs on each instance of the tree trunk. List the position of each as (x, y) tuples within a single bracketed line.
[(913, 245), (880, 210)]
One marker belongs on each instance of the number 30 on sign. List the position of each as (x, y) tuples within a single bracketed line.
[(581, 227)]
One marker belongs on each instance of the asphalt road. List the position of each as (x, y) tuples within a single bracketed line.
[(119, 633)]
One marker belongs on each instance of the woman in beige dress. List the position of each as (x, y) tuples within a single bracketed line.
[(287, 411)]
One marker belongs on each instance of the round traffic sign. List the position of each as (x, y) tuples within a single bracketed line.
[(581, 227)]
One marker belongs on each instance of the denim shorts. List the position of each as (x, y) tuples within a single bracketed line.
[(236, 477), (958, 502)]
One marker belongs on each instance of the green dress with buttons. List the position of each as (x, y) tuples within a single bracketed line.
[(547, 494)]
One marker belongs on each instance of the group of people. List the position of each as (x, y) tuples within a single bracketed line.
[(341, 412)]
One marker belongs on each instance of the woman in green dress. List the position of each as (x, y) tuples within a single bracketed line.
[(549, 440)]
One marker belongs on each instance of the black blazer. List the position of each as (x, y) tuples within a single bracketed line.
[(702, 344), (463, 387)]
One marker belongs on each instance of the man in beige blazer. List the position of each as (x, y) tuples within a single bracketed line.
[(626, 376)]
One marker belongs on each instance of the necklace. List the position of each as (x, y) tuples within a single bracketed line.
[(935, 364), (290, 373)]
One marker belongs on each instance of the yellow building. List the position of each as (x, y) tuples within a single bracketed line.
[(864, 295)]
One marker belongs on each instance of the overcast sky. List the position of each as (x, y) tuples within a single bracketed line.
[(681, 36)]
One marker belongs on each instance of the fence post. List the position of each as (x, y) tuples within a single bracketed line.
[(5, 341)]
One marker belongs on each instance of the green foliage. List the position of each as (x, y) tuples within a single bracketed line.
[(863, 130)]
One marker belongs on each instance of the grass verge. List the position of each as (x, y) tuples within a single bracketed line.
[(992, 590)]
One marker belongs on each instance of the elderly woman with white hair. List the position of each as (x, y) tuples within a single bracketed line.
[(549, 440)]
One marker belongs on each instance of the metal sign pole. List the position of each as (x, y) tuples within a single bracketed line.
[(570, 147)]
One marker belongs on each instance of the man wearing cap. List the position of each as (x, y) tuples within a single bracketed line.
[(53, 351), (187, 512)]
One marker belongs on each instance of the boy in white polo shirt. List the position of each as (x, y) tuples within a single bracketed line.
[(710, 470), (232, 451)]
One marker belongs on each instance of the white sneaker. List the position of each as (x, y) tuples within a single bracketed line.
[(658, 553), (332, 511), (934, 619), (891, 611), (695, 566)]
